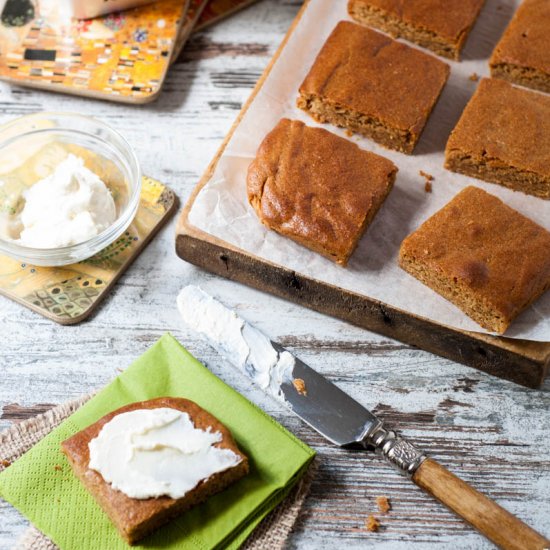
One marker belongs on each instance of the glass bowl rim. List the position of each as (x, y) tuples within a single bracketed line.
[(124, 152)]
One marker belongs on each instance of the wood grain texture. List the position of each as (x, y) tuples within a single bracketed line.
[(490, 432), (483, 514), (13, 412)]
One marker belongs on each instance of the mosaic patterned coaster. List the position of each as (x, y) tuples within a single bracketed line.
[(120, 57), (69, 294)]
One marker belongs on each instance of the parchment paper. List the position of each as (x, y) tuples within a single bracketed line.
[(222, 210)]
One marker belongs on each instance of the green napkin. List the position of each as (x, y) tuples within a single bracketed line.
[(42, 486)]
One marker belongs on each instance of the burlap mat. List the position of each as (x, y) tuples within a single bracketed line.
[(272, 533)]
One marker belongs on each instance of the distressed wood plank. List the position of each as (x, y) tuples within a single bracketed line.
[(14, 412)]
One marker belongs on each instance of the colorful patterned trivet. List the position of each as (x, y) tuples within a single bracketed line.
[(69, 294), (121, 56), (202, 14), (195, 10), (219, 9)]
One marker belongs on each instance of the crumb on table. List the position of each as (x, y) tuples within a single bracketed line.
[(372, 524), (474, 77), (5, 463), (57, 468), (300, 386), (383, 504)]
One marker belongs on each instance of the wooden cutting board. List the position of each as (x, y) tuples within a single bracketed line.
[(521, 361)]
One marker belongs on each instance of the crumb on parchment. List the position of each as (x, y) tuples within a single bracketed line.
[(428, 181), (425, 175), (384, 504), (474, 77), (372, 524), (300, 386)]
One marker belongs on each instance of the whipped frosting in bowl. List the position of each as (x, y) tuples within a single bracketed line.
[(68, 207), (69, 187)]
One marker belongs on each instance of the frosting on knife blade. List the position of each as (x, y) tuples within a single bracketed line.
[(245, 346)]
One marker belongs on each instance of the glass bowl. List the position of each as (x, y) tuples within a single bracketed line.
[(30, 149)]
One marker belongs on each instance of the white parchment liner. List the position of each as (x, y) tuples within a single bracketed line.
[(222, 210)]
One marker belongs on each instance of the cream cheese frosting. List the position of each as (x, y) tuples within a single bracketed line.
[(68, 207), (149, 453), (245, 346)]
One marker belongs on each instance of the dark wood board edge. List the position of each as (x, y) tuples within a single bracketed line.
[(521, 361)]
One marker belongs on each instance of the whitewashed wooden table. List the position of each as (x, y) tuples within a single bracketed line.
[(491, 432)]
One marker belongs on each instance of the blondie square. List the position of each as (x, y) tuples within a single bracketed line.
[(135, 518), (503, 136), (486, 258), (439, 25), (523, 54), (316, 188), (366, 82)]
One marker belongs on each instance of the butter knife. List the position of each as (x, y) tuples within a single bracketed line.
[(344, 421)]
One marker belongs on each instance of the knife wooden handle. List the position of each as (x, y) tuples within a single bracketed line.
[(482, 513)]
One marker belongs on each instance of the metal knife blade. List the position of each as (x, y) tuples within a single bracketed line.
[(325, 407), (318, 402)]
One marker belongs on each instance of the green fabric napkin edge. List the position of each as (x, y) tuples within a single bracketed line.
[(85, 416)]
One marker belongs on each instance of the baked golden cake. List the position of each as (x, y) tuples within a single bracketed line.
[(486, 258), (135, 518), (503, 136), (316, 188), (366, 82), (439, 25), (522, 55)]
